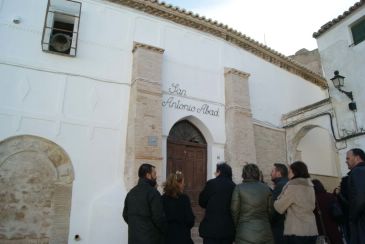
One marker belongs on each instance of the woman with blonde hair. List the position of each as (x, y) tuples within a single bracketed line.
[(178, 210)]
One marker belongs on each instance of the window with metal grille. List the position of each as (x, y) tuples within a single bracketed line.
[(61, 27), (358, 31)]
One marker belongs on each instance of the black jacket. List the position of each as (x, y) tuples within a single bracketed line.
[(279, 184), (216, 199), (277, 221), (356, 186), (144, 214), (180, 219)]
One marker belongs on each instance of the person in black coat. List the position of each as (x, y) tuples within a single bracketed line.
[(355, 159), (180, 217), (143, 211), (279, 175), (326, 222), (217, 226), (342, 196)]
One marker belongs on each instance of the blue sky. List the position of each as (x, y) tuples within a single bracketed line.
[(284, 25)]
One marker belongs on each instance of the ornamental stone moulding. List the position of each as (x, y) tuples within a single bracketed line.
[(228, 71), (137, 45), (187, 18)]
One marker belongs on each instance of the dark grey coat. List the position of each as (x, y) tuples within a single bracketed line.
[(143, 212), (251, 210)]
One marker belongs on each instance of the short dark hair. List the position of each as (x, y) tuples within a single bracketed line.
[(358, 152), (282, 169), (299, 169), (224, 169), (251, 172), (144, 169)]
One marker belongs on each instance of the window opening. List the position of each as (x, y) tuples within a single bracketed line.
[(61, 27), (358, 31)]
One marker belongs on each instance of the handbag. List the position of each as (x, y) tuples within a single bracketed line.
[(322, 239), (336, 212)]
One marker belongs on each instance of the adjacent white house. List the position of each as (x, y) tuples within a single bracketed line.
[(90, 89), (341, 45)]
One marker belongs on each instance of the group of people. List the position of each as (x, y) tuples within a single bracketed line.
[(297, 210)]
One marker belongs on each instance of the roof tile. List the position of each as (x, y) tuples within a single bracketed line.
[(333, 22)]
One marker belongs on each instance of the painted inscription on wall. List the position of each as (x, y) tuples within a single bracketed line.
[(174, 102)]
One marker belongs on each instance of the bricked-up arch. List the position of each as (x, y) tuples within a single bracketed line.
[(36, 178), (316, 147)]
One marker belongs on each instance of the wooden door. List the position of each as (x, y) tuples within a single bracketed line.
[(191, 159)]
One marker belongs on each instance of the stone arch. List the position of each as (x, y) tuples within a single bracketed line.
[(184, 130), (206, 131), (36, 177), (320, 152), (187, 151), (294, 142), (200, 125)]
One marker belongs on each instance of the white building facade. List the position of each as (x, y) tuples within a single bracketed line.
[(341, 44), (138, 81)]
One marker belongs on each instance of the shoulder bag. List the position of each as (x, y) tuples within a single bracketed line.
[(322, 239)]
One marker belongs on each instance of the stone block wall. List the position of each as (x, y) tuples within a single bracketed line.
[(36, 178), (144, 134), (270, 148), (240, 145)]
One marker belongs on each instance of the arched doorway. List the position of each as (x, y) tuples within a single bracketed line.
[(187, 152)]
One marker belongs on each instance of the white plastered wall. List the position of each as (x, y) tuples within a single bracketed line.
[(338, 53)]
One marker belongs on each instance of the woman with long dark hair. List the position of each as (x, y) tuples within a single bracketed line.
[(326, 221), (298, 201)]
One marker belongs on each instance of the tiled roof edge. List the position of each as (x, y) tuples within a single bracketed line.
[(188, 18), (341, 17)]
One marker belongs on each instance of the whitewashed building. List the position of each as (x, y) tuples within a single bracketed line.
[(341, 45), (91, 89)]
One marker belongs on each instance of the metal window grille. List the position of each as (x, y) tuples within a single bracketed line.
[(61, 27)]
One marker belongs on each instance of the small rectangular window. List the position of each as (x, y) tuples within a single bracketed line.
[(358, 31), (61, 27)]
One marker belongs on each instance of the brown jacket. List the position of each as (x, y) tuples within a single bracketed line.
[(298, 201)]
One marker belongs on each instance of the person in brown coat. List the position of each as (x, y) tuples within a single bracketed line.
[(325, 201), (298, 201)]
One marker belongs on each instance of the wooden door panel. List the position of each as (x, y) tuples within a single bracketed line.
[(175, 157), (191, 160)]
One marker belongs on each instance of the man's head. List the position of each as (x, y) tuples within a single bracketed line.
[(223, 169), (278, 171), (251, 172), (147, 171), (354, 156)]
